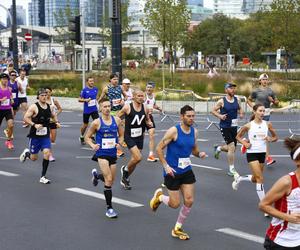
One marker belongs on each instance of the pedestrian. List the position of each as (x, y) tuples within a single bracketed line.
[(283, 203), (258, 135), (265, 96), (107, 129), (22, 94), (227, 110), (38, 117), (181, 142), (88, 96)]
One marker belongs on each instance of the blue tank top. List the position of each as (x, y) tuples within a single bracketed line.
[(115, 97), (107, 138), (14, 91), (179, 151), (231, 109), (91, 106)]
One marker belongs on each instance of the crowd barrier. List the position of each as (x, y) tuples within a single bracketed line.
[(294, 118)]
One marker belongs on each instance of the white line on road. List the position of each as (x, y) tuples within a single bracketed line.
[(241, 234), (101, 196), (89, 149), (9, 158), (207, 167), (281, 156), (83, 157), (202, 140), (8, 174)]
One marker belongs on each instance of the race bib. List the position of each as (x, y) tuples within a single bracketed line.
[(294, 226), (5, 102), (116, 102), (108, 143), (42, 131), (267, 111), (136, 132), (14, 95), (92, 103), (184, 162), (234, 122)]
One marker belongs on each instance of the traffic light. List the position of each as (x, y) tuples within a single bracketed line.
[(74, 27), (10, 44), (113, 9)]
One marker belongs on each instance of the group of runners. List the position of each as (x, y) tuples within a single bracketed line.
[(125, 115)]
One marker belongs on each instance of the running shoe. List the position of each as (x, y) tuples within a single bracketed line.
[(81, 139), (235, 183), (152, 158), (25, 154), (96, 177), (270, 161), (163, 185), (217, 152), (267, 215), (180, 233), (232, 172), (155, 202), (111, 213), (9, 144), (44, 180), (51, 158), (124, 179), (120, 153)]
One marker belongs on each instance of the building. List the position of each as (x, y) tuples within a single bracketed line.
[(95, 12), (195, 2), (199, 13), (36, 12), (252, 6), (21, 16)]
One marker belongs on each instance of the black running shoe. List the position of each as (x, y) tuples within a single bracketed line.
[(125, 183), (81, 139)]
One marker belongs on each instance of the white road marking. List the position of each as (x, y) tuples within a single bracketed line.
[(8, 174), (89, 149), (241, 234), (65, 126), (202, 140), (207, 167), (102, 197), (83, 157), (9, 158), (67, 111), (281, 156)]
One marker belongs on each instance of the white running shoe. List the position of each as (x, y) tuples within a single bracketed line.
[(235, 183), (23, 156), (44, 180)]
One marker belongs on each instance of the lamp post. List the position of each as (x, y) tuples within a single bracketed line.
[(228, 53)]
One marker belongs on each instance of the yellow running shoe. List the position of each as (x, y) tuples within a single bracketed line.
[(179, 233), (155, 202)]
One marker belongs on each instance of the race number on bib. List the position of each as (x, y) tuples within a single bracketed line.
[(136, 132), (234, 122), (108, 143), (116, 102), (42, 131), (92, 103), (184, 162), (5, 102)]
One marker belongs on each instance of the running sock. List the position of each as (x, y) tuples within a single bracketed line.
[(219, 148), (126, 168), (108, 196), (184, 212), (231, 168), (246, 178), (45, 167), (150, 153), (260, 190), (164, 199), (126, 172)]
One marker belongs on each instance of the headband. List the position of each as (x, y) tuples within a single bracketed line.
[(296, 153)]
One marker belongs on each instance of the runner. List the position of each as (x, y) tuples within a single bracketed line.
[(6, 101), (257, 130), (14, 86), (181, 142), (56, 109), (265, 96), (135, 125), (227, 110), (22, 94), (283, 203), (107, 128), (89, 97), (38, 117), (128, 91), (150, 104)]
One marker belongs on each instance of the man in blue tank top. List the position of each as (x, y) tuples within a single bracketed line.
[(178, 175), (227, 110), (107, 129)]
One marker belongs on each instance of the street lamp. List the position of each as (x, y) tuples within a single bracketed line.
[(228, 53)]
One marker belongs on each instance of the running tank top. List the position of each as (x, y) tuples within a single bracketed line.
[(107, 138), (257, 134), (14, 91), (115, 97), (149, 103), (129, 95), (231, 109), (53, 108), (24, 84), (43, 117), (179, 151), (5, 104), (135, 123), (282, 232)]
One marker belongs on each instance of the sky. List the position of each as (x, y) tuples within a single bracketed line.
[(7, 4)]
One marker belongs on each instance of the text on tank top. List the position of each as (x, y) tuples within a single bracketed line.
[(257, 134), (135, 122), (149, 102), (43, 117)]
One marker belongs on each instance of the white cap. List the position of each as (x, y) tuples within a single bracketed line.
[(126, 80), (263, 76)]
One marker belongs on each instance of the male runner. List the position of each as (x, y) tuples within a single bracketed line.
[(181, 142), (128, 90), (227, 110), (38, 117), (107, 129), (14, 86), (89, 97), (22, 94)]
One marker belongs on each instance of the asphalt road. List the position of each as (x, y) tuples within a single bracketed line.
[(70, 212)]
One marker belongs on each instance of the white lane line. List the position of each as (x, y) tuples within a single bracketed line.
[(67, 111), (89, 149), (207, 167), (65, 126), (83, 157), (241, 234), (102, 197), (281, 156), (9, 158), (202, 140), (8, 174), (71, 123)]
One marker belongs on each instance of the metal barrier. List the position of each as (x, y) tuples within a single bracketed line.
[(294, 118), (213, 99)]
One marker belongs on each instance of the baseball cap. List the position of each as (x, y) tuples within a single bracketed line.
[(151, 83), (126, 81), (263, 76), (4, 75), (229, 85)]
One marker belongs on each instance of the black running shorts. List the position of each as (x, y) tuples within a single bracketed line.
[(53, 125), (174, 183), (7, 114), (86, 117), (260, 157), (131, 142), (111, 160), (153, 123), (229, 135)]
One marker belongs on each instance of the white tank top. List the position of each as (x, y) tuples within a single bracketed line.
[(129, 96), (149, 102), (23, 84), (257, 134)]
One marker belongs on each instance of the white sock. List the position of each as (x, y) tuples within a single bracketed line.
[(219, 148), (231, 168), (260, 191), (150, 153), (246, 178), (126, 168)]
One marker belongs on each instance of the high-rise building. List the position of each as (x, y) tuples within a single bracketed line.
[(36, 12), (21, 15), (95, 12), (252, 6), (195, 2)]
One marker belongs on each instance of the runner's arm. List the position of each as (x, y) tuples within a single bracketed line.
[(216, 109), (124, 110), (240, 110), (120, 130), (32, 110), (196, 152), (91, 131), (274, 137), (103, 94), (241, 133), (58, 106)]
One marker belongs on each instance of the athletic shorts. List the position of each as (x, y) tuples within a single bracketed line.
[(52, 125), (86, 117), (131, 142), (7, 114), (39, 144), (22, 99), (111, 160), (174, 183), (266, 118), (152, 120), (229, 135), (15, 107), (260, 157), (271, 245)]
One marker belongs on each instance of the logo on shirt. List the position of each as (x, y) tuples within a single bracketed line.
[(137, 119)]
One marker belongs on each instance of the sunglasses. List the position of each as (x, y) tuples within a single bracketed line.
[(13, 75)]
